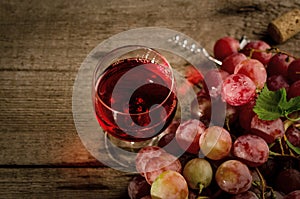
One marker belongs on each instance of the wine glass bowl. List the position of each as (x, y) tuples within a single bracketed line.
[(133, 95)]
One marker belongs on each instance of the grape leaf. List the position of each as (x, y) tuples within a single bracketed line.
[(271, 105)]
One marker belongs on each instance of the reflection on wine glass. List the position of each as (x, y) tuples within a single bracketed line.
[(134, 96)]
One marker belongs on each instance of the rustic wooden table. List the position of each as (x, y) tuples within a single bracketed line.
[(42, 45)]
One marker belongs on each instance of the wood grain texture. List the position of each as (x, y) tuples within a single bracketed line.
[(42, 45)]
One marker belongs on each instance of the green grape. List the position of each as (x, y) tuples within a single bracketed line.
[(198, 173), (169, 185)]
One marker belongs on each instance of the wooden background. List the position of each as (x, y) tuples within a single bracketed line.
[(42, 45)]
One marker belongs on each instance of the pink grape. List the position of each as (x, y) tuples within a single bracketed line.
[(214, 79), (171, 185), (278, 65), (293, 195), (138, 187), (144, 155), (293, 135), (269, 130), (294, 71), (259, 53), (238, 89), (233, 177), (251, 149), (159, 164), (198, 173), (215, 142), (230, 62), (253, 69), (188, 134), (225, 46)]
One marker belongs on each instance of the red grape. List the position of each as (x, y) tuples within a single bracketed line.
[(215, 142), (225, 46), (294, 90), (198, 173), (138, 187), (188, 134), (233, 177), (159, 164), (293, 135), (246, 114), (253, 69), (144, 155), (278, 64), (245, 195), (201, 108), (238, 89), (293, 195), (230, 62), (169, 144), (259, 52), (171, 185), (294, 71), (251, 149), (277, 82), (269, 130), (193, 75), (214, 79), (288, 180)]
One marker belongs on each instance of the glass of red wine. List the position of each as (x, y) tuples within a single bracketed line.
[(133, 96)]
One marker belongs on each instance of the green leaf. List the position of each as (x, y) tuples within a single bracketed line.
[(267, 104), (271, 105), (294, 148)]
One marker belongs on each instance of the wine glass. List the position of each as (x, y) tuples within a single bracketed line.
[(134, 96)]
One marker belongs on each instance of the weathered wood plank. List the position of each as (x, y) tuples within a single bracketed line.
[(63, 183)]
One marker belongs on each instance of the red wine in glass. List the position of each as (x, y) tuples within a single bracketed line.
[(134, 99)]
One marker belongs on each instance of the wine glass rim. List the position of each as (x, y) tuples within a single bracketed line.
[(135, 47)]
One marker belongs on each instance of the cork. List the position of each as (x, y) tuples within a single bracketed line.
[(285, 26)]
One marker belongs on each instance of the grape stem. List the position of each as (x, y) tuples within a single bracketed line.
[(201, 186), (262, 183)]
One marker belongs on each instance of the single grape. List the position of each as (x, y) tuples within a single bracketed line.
[(159, 164), (293, 71), (233, 177), (198, 173), (171, 185), (238, 89), (169, 144), (245, 195), (269, 130), (138, 187), (144, 155), (293, 195), (288, 180), (225, 46), (201, 108), (278, 64), (214, 79), (230, 62), (215, 142), (253, 69), (246, 114), (193, 75), (258, 49), (294, 90), (188, 134), (293, 135), (251, 149), (277, 82)]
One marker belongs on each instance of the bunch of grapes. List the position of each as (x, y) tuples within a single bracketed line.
[(246, 156)]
